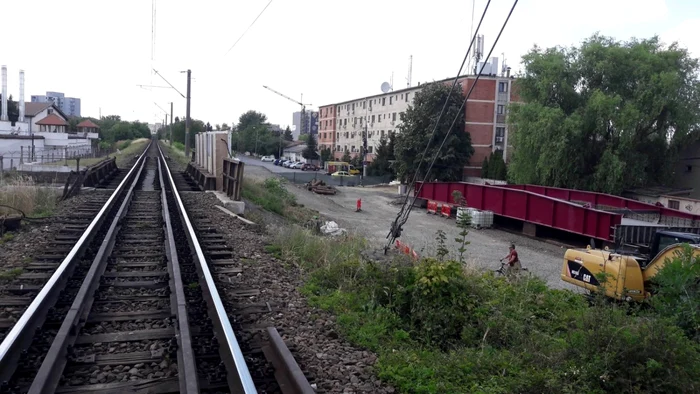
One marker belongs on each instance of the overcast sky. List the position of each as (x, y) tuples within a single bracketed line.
[(330, 51)]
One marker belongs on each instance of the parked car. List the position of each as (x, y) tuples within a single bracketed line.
[(341, 173), (267, 158), (297, 165), (353, 170), (309, 167), (277, 162)]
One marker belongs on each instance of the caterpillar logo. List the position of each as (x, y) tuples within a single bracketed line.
[(579, 272)]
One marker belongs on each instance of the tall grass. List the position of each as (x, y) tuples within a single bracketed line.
[(24, 194), (440, 328)]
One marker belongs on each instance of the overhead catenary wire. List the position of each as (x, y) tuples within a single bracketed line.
[(246, 30), (395, 228), (403, 217)]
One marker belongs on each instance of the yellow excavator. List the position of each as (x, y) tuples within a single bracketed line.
[(627, 276)]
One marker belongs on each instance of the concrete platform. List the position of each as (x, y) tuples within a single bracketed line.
[(237, 207)]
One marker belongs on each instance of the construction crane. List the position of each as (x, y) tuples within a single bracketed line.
[(303, 108)]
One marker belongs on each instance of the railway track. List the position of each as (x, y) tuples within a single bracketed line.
[(126, 302)]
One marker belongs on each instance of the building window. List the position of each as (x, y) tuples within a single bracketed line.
[(500, 135), (372, 118), (369, 149), (393, 117), (674, 204), (391, 99), (406, 97), (383, 100), (353, 106), (502, 87), (500, 109), (337, 149), (364, 104)]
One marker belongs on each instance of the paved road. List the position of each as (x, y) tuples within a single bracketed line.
[(378, 212), (273, 168)]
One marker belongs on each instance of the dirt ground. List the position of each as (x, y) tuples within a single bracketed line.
[(378, 212)]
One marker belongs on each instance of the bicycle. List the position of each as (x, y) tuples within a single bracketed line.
[(502, 269)]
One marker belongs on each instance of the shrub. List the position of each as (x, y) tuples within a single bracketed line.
[(677, 287)]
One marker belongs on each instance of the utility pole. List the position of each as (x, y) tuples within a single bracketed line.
[(187, 116), (171, 123), (364, 152)]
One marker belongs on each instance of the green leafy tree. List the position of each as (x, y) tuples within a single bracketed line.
[(605, 116), (288, 134), (496, 166), (225, 127), (251, 118), (326, 154), (419, 121), (381, 165), (303, 137), (309, 153), (485, 168), (346, 157)]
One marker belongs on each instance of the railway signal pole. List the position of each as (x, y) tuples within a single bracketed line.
[(187, 115)]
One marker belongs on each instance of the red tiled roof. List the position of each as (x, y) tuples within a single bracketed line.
[(52, 120), (88, 123)]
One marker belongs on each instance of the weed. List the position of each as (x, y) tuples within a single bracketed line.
[(439, 327), (24, 194), (11, 273), (441, 247), (6, 237)]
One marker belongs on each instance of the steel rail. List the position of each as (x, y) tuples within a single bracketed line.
[(186, 360), (13, 346), (49, 375), (242, 382), (289, 376)]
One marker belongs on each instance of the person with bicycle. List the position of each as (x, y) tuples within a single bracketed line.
[(514, 265)]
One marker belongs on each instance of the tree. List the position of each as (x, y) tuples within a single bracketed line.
[(177, 119), (251, 118), (12, 109), (309, 153), (288, 134), (496, 166), (485, 168), (303, 137), (326, 154), (419, 121), (217, 127), (346, 157), (605, 116), (225, 127), (381, 165)]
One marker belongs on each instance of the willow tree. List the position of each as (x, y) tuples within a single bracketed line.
[(604, 116)]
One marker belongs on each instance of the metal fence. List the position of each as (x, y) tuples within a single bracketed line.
[(47, 159), (356, 180)]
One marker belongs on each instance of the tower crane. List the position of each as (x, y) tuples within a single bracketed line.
[(303, 108)]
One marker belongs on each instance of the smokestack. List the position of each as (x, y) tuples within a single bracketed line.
[(21, 96), (3, 114), (508, 72)]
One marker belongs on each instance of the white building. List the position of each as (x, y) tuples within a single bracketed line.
[(40, 130), (380, 115)]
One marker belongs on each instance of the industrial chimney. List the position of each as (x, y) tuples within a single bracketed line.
[(21, 96), (3, 114)]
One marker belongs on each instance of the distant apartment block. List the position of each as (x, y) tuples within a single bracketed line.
[(341, 125), (311, 123), (68, 105)]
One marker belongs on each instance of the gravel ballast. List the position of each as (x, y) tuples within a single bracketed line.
[(329, 362)]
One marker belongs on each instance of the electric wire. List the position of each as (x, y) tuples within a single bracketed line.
[(395, 230), (246, 30), (403, 217)]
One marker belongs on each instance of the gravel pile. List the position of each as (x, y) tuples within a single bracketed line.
[(329, 362)]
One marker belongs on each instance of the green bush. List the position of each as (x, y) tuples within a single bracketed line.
[(440, 329), (677, 296)]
